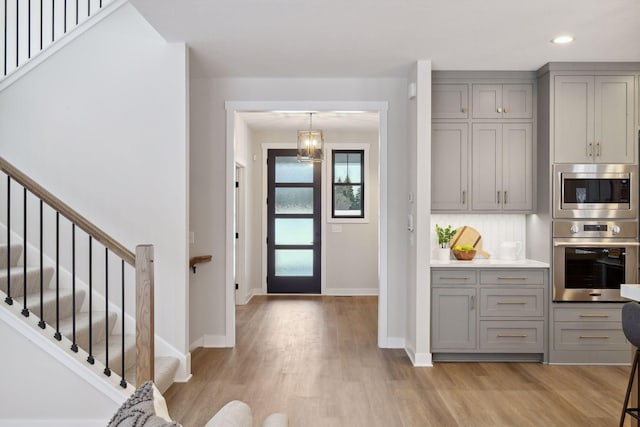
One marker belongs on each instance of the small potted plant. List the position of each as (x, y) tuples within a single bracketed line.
[(445, 234)]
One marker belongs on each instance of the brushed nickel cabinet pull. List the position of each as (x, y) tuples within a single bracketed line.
[(464, 197), (594, 337), (454, 278), (473, 302), (505, 197), (597, 149), (506, 110), (512, 278), (512, 302), (499, 110), (512, 335), (463, 109), (498, 196), (594, 315), (590, 150)]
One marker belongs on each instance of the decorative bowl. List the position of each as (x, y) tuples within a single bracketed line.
[(464, 255)]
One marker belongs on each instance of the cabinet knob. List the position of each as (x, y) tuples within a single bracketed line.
[(463, 109), (506, 110), (499, 110)]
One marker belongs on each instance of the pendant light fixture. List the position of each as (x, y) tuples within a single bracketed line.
[(310, 144)]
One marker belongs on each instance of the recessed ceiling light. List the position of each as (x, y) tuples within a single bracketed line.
[(563, 39)]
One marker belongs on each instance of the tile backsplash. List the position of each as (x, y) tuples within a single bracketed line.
[(494, 228)]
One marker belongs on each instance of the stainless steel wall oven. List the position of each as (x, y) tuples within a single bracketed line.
[(595, 191), (591, 259)]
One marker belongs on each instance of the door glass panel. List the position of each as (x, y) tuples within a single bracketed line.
[(294, 262), (294, 231), (290, 170), (294, 200)]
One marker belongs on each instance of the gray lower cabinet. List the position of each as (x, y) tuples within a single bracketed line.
[(588, 333), (499, 312)]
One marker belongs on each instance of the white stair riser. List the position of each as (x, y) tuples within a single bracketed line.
[(33, 280)]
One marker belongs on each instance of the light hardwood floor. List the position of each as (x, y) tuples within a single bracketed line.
[(316, 359)]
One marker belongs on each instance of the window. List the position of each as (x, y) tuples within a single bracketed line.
[(347, 183)]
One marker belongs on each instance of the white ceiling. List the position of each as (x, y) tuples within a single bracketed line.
[(326, 121), (381, 38)]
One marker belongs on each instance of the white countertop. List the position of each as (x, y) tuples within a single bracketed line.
[(631, 291), (490, 263)]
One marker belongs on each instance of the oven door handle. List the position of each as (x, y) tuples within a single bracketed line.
[(596, 244)]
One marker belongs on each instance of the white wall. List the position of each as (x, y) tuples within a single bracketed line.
[(102, 124), (208, 180)]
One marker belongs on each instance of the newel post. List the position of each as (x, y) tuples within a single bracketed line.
[(144, 314)]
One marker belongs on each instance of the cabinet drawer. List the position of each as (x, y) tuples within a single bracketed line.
[(503, 302), (577, 314), (453, 277), (589, 336), (514, 337), (512, 277)]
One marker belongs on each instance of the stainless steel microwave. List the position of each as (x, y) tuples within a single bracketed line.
[(595, 191)]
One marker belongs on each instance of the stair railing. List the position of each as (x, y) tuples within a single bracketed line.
[(30, 26), (142, 261)]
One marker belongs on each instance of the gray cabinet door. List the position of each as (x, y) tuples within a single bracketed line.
[(449, 101), (453, 319), (614, 110), (449, 165), (573, 119), (517, 166), (517, 101), (486, 186), (487, 101)]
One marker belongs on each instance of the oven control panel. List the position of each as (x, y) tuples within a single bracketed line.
[(619, 229)]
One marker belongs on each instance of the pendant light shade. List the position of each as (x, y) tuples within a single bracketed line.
[(310, 144)]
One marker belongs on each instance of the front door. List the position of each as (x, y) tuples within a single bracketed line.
[(293, 224)]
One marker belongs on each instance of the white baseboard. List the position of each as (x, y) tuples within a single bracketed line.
[(210, 341), (418, 359), (392, 342), (53, 423), (163, 348), (351, 292)]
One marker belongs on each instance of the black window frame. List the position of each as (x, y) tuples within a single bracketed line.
[(335, 184)]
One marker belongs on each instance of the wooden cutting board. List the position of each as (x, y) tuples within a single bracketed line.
[(469, 236)]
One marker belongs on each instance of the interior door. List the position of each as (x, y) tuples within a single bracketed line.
[(293, 224)]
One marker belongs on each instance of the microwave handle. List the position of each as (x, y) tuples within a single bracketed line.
[(595, 244)]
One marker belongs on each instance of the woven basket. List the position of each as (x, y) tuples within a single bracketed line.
[(464, 255)]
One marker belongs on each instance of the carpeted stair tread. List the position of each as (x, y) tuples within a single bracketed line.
[(16, 252), (115, 352), (33, 279), (82, 327), (164, 372), (49, 303)]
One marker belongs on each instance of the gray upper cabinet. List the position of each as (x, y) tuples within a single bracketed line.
[(449, 166), (502, 167), (593, 119), (450, 101), (502, 101)]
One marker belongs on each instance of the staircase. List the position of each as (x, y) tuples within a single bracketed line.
[(67, 310)]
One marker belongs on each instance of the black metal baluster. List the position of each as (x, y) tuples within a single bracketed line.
[(88, 7), (8, 299), (5, 37), (74, 345), (123, 382), (29, 29), (90, 359), (107, 371), (57, 335), (41, 322), (76, 12), (17, 32), (25, 310), (65, 16), (41, 25), (53, 20), (101, 4)]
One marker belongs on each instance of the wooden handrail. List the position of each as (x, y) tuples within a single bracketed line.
[(66, 211)]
